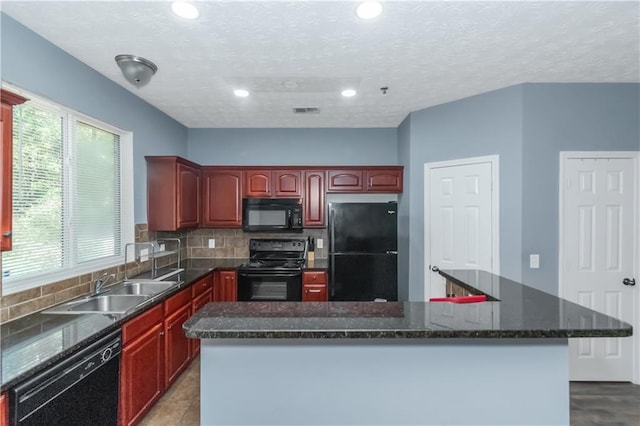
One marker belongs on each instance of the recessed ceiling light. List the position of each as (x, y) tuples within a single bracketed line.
[(348, 93), (241, 93), (184, 9), (369, 9)]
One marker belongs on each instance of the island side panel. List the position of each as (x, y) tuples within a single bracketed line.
[(383, 382)]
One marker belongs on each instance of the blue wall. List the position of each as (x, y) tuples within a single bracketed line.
[(566, 117), (527, 126), (323, 146), (404, 209), (486, 124), (32, 63)]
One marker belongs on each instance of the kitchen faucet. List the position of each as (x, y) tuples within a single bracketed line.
[(100, 282)]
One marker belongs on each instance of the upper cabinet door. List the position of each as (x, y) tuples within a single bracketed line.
[(188, 196), (345, 180), (257, 183), (314, 199), (287, 183), (384, 180), (173, 190), (6, 152), (222, 197)]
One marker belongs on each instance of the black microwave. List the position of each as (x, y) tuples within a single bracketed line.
[(272, 214)]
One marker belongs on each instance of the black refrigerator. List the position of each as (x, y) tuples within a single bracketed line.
[(363, 251)]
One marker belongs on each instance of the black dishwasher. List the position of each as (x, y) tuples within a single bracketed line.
[(79, 390)]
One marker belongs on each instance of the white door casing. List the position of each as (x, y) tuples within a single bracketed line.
[(461, 218), (598, 246)]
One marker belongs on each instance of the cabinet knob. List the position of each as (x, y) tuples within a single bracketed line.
[(7, 234)]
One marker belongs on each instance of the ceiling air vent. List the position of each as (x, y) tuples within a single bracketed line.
[(306, 110)]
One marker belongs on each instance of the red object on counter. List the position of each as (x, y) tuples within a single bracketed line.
[(460, 299)]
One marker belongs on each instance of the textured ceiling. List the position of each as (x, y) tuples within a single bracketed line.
[(425, 52)]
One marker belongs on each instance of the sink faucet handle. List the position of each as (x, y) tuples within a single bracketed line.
[(100, 282)]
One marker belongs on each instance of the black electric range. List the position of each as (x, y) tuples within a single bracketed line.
[(273, 271)]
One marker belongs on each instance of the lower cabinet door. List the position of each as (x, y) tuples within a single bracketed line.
[(225, 287), (4, 410), (198, 304), (141, 375), (177, 345), (314, 293)]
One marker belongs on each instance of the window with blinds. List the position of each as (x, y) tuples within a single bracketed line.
[(67, 197)]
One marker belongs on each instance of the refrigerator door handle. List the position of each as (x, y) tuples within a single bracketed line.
[(332, 271), (332, 230), (392, 252)]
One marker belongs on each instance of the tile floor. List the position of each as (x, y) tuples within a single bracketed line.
[(592, 404)]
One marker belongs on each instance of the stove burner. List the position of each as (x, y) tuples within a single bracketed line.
[(275, 254)]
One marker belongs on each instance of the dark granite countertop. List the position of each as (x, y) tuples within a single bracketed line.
[(316, 264), (36, 341), (519, 312)]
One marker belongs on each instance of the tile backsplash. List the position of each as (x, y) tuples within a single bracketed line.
[(235, 242), (229, 243)]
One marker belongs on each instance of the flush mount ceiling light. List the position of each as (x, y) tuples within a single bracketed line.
[(348, 93), (185, 9), (369, 9), (136, 69), (241, 93)]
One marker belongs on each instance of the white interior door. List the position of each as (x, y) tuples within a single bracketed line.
[(598, 231), (461, 223)]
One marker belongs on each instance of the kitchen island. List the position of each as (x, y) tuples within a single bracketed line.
[(501, 362)]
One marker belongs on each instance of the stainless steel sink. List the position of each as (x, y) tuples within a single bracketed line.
[(147, 288), (104, 304)]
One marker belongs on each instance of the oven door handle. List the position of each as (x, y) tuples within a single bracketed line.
[(273, 274)]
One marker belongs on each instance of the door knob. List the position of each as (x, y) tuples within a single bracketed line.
[(7, 234), (435, 268), (629, 281)]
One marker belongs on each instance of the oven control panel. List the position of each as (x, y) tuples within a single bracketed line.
[(276, 245)]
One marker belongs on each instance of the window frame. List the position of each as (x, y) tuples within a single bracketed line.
[(127, 230)]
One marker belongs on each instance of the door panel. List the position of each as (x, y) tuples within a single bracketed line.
[(598, 247), (460, 220)]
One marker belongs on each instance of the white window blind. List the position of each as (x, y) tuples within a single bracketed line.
[(68, 204), (95, 222)]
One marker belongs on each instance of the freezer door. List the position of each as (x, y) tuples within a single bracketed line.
[(363, 227), (363, 277)]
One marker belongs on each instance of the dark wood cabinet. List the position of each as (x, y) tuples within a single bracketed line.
[(257, 183), (348, 180), (222, 197), (4, 410), (141, 365), (201, 294), (197, 304), (314, 286), (288, 183), (173, 193), (8, 100), (315, 207), (268, 183), (225, 286), (177, 352), (384, 180)]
